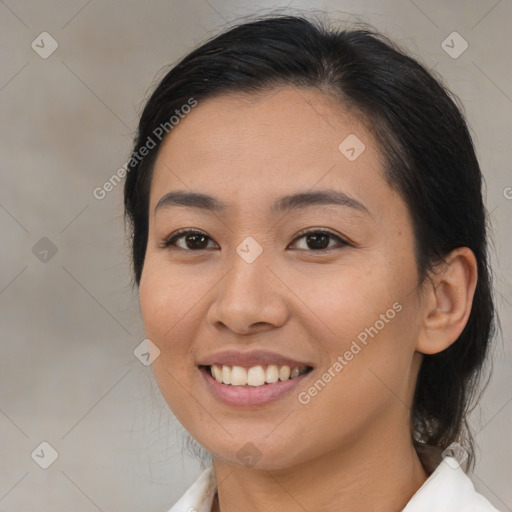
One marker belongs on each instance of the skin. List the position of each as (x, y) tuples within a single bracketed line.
[(351, 443)]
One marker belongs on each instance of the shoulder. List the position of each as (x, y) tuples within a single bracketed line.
[(448, 489), (199, 496)]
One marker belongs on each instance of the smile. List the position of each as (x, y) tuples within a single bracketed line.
[(256, 375), (254, 386)]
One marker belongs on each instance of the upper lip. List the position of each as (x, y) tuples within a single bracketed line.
[(249, 359)]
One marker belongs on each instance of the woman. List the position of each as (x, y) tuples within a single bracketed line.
[(309, 242)]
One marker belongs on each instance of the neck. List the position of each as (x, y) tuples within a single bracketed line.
[(380, 476)]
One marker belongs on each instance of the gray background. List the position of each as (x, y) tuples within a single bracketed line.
[(70, 321)]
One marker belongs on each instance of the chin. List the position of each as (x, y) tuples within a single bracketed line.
[(254, 454)]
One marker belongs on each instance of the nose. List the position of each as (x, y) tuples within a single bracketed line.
[(250, 298)]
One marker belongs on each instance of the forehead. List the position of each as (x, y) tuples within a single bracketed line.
[(252, 148)]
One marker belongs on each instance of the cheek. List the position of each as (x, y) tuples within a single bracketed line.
[(348, 297), (367, 317), (165, 298), (166, 303)]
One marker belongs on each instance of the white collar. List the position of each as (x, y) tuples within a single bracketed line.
[(448, 489)]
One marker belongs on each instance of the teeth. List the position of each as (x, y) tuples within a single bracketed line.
[(284, 373), (238, 376), (272, 373), (226, 375), (294, 373), (254, 376), (216, 373)]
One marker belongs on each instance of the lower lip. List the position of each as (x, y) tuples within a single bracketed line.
[(241, 396)]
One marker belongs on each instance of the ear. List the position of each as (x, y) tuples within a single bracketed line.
[(446, 301)]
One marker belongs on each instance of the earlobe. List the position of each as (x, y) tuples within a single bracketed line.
[(447, 301)]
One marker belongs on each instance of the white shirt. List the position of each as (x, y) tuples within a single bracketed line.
[(448, 489)]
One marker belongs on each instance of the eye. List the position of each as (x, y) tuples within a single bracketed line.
[(193, 240), (318, 240)]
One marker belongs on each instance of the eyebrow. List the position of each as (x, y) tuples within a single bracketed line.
[(286, 203)]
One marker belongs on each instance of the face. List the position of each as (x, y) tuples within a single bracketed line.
[(248, 287)]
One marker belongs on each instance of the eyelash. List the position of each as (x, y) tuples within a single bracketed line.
[(170, 241)]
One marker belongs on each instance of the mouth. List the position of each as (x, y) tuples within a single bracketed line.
[(252, 386), (254, 376)]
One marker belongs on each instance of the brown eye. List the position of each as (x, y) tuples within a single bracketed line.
[(318, 240), (193, 240), (196, 241), (189, 240)]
